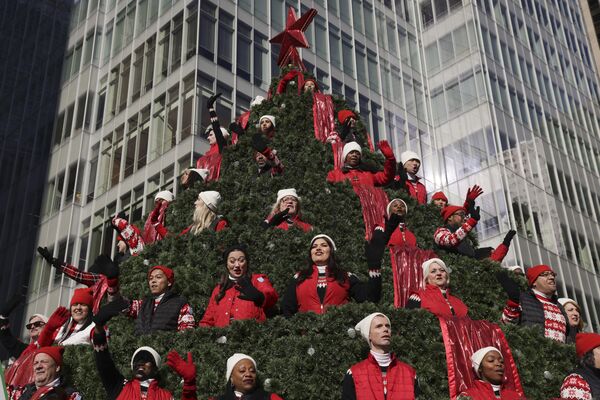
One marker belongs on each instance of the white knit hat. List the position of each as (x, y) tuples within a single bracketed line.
[(427, 264), (364, 326), (350, 146), (513, 268), (200, 171), (565, 300), (257, 101), (211, 199), (409, 155), (233, 360), (165, 195), (153, 353), (323, 236), (269, 117), (40, 316), (287, 192), (387, 209), (478, 356), (223, 131)]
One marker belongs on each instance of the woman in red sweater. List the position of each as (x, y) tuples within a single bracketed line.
[(323, 283), (436, 297), (240, 294)]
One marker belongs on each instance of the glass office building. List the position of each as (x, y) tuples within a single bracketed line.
[(499, 93)]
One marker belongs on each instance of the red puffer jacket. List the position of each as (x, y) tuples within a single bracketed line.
[(363, 177), (231, 307), (369, 384), (483, 391)]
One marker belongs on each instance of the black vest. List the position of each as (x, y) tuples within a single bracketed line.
[(592, 377), (532, 310), (165, 317)]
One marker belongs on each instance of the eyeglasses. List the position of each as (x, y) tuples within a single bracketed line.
[(460, 214), (548, 274), (36, 324)]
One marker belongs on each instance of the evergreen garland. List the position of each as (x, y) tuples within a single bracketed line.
[(304, 357)]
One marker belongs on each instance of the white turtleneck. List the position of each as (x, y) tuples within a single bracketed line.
[(541, 294), (322, 268), (383, 359)]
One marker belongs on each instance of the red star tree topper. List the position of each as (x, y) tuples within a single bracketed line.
[(292, 37)]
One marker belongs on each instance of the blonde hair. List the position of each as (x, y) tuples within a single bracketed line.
[(277, 205), (202, 219)]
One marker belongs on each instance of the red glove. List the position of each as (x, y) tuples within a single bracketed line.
[(385, 148), (154, 214), (58, 318), (187, 370), (473, 193)]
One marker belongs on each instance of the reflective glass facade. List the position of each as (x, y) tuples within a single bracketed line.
[(500, 93)]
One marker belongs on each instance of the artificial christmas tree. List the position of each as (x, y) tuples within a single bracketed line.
[(305, 356)]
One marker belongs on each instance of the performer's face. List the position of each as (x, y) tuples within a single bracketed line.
[(441, 203), (237, 265), (412, 166), (492, 368), (266, 125), (320, 252), (211, 138), (380, 334), (572, 313), (437, 276), (398, 207), (309, 86), (290, 203), (353, 158), (45, 369), (243, 376), (79, 312), (546, 283), (35, 326), (158, 282)]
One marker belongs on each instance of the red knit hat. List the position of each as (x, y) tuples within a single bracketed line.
[(83, 296), (343, 115), (56, 352), (449, 210), (167, 271), (585, 342), (533, 272), (439, 196)]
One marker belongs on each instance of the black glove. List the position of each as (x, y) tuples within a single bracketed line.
[(7, 308), (237, 128), (402, 174), (346, 129), (510, 287), (279, 218), (470, 206), (123, 215), (48, 256), (509, 237), (211, 101), (375, 248), (483, 252), (475, 213), (249, 292), (259, 143), (392, 223), (109, 310)]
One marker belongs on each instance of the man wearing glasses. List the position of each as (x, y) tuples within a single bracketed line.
[(537, 306)]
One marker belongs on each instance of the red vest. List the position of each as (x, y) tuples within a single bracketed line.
[(306, 227), (402, 238), (416, 190), (308, 298), (483, 391), (132, 391), (231, 307), (368, 381), (433, 301)]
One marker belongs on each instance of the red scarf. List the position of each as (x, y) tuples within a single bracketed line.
[(132, 391)]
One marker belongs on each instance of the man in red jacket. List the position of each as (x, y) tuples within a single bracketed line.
[(359, 173), (381, 376)]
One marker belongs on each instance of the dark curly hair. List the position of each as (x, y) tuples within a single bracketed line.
[(225, 283)]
